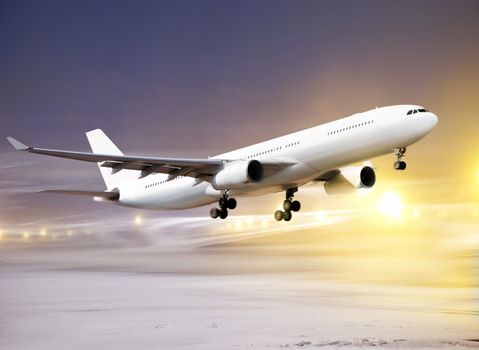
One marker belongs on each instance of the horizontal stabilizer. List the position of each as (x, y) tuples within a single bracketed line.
[(16, 144), (107, 195)]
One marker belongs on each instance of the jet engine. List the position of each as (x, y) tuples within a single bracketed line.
[(237, 174), (349, 179)]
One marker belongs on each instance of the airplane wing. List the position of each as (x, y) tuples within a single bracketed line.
[(147, 165), (196, 168)]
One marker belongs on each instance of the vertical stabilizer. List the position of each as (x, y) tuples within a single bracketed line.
[(100, 143)]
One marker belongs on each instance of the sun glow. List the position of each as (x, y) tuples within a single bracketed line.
[(390, 204), (416, 214)]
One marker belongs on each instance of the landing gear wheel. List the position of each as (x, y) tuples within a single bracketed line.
[(400, 165), (214, 213), (287, 215), (278, 215), (296, 206), (287, 205), (223, 214), (231, 203)]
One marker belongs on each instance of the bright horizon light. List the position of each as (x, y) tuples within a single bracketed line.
[(138, 220), (390, 204)]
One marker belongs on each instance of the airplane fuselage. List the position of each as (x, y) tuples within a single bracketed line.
[(312, 151)]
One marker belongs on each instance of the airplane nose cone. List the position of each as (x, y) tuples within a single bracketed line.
[(433, 119)]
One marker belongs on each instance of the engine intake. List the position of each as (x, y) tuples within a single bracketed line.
[(367, 177), (237, 174)]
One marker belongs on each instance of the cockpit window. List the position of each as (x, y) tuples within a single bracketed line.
[(419, 110)]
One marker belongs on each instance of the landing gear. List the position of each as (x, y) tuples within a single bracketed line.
[(399, 153), (224, 203), (288, 205)]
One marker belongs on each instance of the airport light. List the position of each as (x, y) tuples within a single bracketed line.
[(238, 225), (43, 233), (1, 234), (390, 204), (138, 220), (26, 235), (321, 216)]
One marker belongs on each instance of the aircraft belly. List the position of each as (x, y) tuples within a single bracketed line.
[(180, 195)]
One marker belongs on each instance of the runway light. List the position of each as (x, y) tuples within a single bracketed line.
[(238, 225), (43, 233), (390, 204), (26, 235), (138, 220), (70, 233), (1, 234), (320, 216)]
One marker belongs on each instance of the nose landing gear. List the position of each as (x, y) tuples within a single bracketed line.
[(399, 153), (289, 205), (224, 203)]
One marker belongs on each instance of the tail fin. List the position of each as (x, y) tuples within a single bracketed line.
[(100, 143)]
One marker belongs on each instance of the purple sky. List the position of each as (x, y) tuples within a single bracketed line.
[(195, 78)]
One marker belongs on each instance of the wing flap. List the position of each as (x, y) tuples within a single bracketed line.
[(107, 195)]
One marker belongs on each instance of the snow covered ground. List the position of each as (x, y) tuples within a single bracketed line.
[(224, 297)]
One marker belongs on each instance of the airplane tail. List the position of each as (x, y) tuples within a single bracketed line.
[(100, 143)]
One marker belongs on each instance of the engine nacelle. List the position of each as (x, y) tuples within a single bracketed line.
[(237, 174), (351, 178)]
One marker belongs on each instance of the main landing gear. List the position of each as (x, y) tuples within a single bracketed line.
[(288, 205), (224, 203), (399, 153)]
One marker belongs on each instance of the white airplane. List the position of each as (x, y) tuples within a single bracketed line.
[(322, 153)]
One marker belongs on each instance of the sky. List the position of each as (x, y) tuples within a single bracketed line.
[(198, 78)]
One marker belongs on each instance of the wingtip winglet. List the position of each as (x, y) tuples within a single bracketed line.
[(17, 144)]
